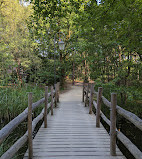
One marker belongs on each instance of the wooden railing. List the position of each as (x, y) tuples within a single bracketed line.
[(5, 131), (87, 97)]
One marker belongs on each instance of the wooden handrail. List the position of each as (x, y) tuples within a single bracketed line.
[(5, 131), (128, 144), (125, 113), (20, 142), (129, 116)]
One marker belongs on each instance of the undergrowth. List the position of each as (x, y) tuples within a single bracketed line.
[(133, 102), (13, 100)]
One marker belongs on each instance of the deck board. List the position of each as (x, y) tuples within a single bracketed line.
[(71, 133)]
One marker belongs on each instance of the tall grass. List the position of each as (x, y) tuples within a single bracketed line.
[(13, 100)]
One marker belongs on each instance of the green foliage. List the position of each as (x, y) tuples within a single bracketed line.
[(132, 94), (103, 42), (13, 100)]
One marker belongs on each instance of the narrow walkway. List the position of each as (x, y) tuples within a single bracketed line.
[(71, 133)]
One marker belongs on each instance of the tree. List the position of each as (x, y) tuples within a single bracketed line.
[(16, 45)]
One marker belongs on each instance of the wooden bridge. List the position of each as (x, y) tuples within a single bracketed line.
[(71, 130), (71, 133)]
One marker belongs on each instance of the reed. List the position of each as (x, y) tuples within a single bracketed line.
[(13, 100)]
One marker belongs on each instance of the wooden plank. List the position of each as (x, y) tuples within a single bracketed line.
[(70, 153), (72, 133), (79, 157)]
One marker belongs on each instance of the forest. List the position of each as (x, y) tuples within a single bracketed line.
[(102, 44)]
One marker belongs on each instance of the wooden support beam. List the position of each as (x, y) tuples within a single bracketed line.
[(87, 92), (30, 144), (113, 124), (46, 107), (83, 92), (99, 97), (91, 98), (51, 100), (56, 94), (58, 89)]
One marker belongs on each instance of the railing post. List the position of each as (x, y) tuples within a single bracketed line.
[(113, 124), (58, 89), (83, 92), (56, 94), (91, 98), (46, 106), (30, 144), (51, 100), (99, 97), (86, 100)]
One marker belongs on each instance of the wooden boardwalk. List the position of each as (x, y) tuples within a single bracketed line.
[(71, 133)]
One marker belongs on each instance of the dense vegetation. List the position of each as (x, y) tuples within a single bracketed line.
[(102, 43)]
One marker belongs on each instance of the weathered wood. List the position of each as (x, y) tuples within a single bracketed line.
[(100, 89), (51, 100), (14, 123), (130, 116), (105, 119), (83, 92), (106, 102), (91, 98), (129, 145), (56, 94), (30, 144), (71, 132), (113, 124), (7, 129), (87, 92), (101, 114), (126, 114), (81, 157), (20, 142), (46, 106), (13, 149), (95, 104), (58, 89)]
